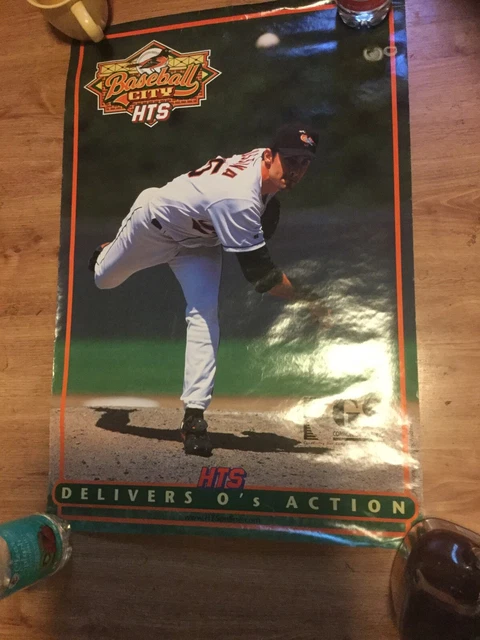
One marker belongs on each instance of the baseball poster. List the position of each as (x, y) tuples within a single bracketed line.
[(235, 348)]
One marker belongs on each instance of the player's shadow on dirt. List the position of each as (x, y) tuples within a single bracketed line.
[(118, 421)]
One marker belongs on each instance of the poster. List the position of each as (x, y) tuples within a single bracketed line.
[(314, 421)]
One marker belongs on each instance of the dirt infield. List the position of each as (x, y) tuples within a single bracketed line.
[(281, 448)]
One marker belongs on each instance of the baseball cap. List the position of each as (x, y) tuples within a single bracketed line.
[(295, 140)]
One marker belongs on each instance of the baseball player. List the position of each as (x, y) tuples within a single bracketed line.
[(228, 204)]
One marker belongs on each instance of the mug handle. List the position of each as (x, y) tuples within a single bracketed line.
[(86, 22)]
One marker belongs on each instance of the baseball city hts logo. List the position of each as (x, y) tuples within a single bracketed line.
[(152, 82)]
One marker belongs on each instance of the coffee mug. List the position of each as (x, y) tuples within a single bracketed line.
[(78, 19)]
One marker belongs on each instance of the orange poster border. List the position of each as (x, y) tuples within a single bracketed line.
[(399, 285)]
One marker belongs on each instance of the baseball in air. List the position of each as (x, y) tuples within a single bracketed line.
[(267, 40)]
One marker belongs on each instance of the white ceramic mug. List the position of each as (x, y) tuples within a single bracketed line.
[(78, 19)]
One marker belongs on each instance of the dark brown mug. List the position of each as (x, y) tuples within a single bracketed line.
[(435, 582)]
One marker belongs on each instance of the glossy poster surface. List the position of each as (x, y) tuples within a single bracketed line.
[(314, 418)]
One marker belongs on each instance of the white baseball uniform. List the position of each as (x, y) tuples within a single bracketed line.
[(185, 224)]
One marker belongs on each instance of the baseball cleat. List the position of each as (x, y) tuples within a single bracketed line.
[(196, 441), (93, 260)]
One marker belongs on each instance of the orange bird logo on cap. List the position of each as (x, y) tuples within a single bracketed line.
[(306, 139)]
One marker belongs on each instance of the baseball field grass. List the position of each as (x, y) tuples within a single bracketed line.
[(250, 368)]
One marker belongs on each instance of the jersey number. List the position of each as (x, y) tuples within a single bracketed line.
[(213, 166)]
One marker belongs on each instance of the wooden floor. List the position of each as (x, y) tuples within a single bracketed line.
[(178, 588)]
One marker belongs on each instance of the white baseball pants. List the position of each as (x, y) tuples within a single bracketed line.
[(139, 245)]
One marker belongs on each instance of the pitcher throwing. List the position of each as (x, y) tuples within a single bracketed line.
[(228, 204)]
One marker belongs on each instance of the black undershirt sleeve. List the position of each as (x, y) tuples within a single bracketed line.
[(259, 269), (271, 218)]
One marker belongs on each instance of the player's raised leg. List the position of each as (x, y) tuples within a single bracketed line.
[(198, 271), (137, 245)]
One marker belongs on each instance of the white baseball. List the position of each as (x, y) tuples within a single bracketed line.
[(267, 40)]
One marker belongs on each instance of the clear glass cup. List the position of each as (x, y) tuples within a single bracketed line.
[(363, 13)]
